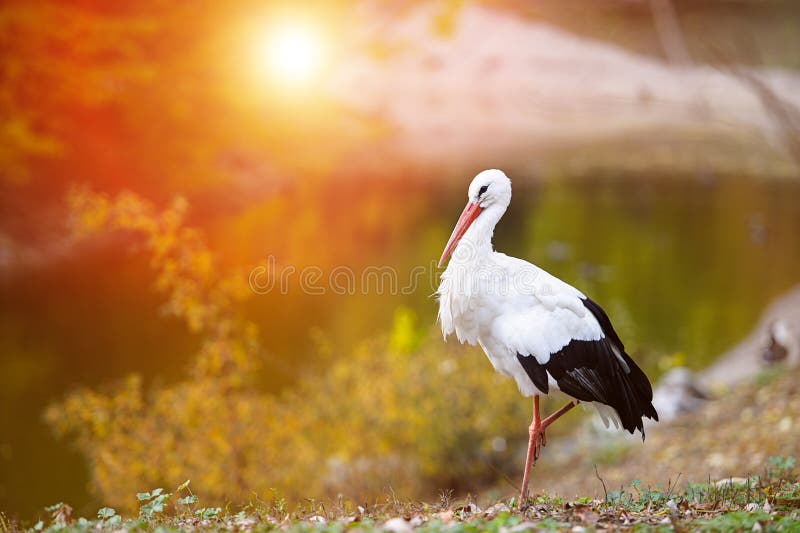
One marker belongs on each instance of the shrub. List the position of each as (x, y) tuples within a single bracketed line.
[(405, 411)]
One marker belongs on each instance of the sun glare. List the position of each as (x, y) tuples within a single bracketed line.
[(291, 53)]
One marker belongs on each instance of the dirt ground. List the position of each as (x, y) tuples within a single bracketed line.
[(732, 435)]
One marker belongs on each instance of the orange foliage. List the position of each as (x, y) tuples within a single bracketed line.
[(406, 414)]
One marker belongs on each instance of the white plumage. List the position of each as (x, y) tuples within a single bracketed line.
[(512, 307), (534, 328)]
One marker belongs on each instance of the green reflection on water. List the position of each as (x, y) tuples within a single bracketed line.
[(681, 266)]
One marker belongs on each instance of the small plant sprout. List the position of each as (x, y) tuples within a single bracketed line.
[(109, 516), (105, 513), (61, 513), (190, 498), (156, 502), (208, 512), (780, 467)]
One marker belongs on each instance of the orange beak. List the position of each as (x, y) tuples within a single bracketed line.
[(468, 216)]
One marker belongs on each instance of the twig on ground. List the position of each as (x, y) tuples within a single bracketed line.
[(605, 491)]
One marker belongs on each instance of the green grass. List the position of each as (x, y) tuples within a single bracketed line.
[(770, 502)]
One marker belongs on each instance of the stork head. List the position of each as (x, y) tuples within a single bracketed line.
[(489, 191)]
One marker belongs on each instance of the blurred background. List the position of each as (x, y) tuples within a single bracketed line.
[(153, 154)]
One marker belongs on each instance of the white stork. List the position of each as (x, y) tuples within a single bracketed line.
[(533, 327)]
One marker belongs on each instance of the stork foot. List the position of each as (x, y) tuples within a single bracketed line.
[(539, 440)]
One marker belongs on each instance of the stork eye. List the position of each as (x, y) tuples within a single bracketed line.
[(482, 190)]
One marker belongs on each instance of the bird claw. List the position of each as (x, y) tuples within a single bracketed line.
[(538, 442)]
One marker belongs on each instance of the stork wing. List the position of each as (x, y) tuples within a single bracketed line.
[(582, 354), (546, 322)]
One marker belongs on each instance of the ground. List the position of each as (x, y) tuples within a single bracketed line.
[(729, 467), (734, 435), (767, 503)]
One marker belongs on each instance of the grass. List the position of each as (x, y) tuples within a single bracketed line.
[(770, 502), (766, 502)]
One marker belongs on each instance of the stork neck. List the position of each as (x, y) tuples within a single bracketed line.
[(477, 241)]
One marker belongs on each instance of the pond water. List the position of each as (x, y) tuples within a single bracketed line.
[(683, 267)]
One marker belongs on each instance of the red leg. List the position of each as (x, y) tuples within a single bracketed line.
[(536, 439), (555, 416)]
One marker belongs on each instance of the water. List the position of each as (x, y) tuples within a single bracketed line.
[(683, 267)]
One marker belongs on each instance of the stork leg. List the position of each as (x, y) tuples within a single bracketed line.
[(536, 439), (555, 416)]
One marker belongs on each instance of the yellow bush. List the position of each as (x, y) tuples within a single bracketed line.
[(404, 412)]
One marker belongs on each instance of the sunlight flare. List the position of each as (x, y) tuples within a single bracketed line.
[(291, 53)]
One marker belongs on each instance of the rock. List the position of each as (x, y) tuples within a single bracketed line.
[(495, 510), (677, 392), (731, 482), (745, 360), (397, 525), (781, 343), (673, 508)]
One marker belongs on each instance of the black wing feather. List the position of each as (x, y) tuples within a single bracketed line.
[(598, 371), (535, 371)]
